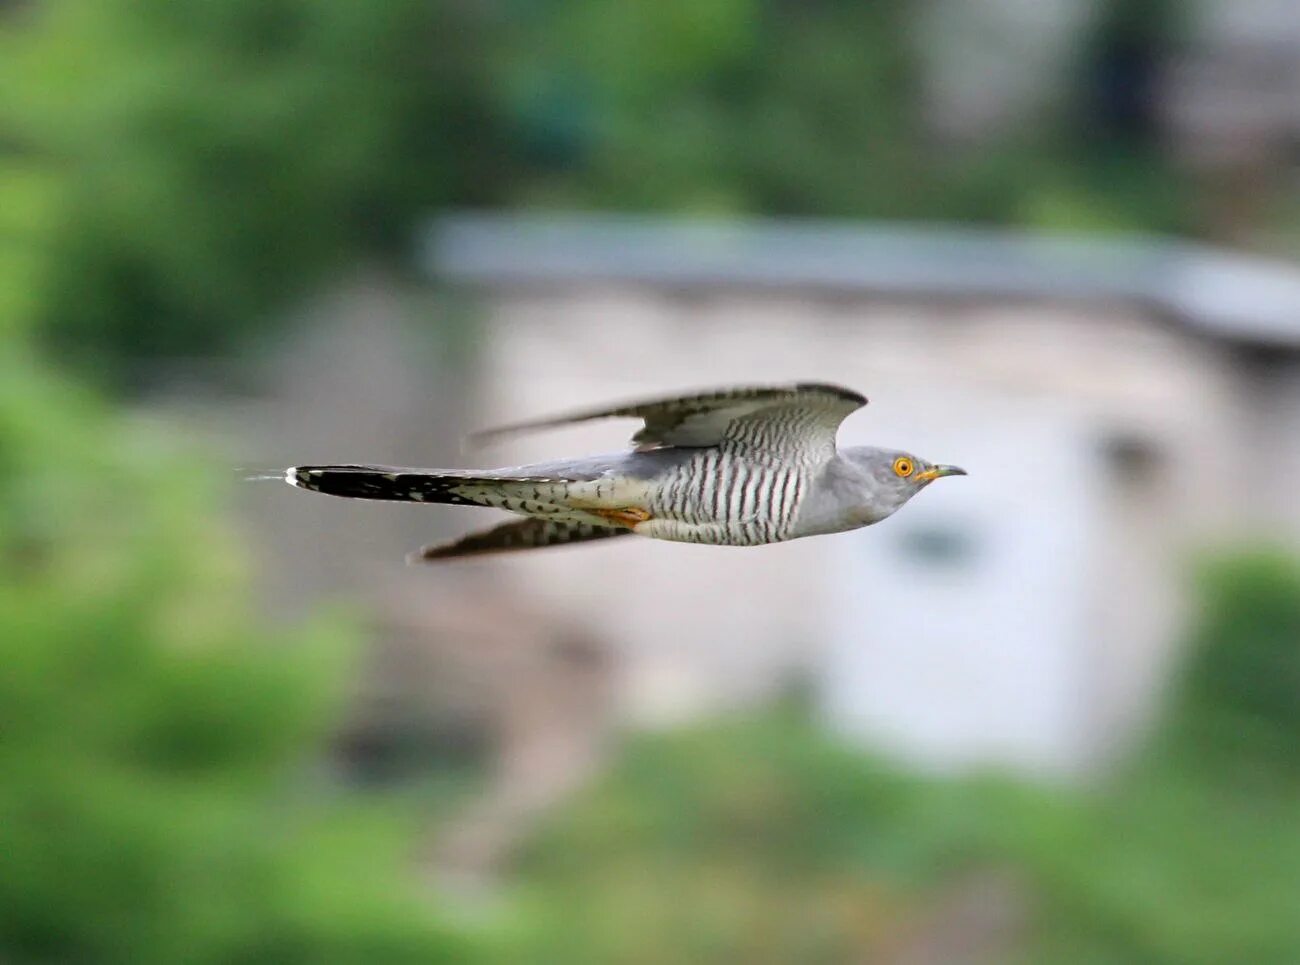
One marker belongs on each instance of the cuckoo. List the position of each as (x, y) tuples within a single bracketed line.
[(740, 466)]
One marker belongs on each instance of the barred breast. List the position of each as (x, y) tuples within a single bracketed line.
[(723, 497)]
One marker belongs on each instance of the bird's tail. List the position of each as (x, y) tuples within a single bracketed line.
[(528, 494), (517, 493), (384, 482)]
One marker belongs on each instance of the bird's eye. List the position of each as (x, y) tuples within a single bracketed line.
[(903, 466)]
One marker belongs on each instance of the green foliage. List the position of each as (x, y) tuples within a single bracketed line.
[(799, 109), (216, 158), (1238, 706), (731, 105), (155, 741), (28, 205), (214, 161), (755, 841), (763, 840)]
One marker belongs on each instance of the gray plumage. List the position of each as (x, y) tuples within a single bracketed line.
[(735, 467)]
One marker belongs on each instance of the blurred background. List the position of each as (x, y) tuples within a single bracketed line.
[(1049, 714)]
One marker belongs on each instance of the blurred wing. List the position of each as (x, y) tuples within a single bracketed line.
[(805, 415), (525, 534)]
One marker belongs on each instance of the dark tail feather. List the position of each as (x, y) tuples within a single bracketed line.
[(382, 482), (525, 534)]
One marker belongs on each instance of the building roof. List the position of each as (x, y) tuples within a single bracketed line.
[(1226, 294)]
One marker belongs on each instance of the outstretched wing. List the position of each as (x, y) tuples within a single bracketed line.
[(804, 416), (525, 534)]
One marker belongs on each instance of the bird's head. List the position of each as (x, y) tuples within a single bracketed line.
[(893, 477)]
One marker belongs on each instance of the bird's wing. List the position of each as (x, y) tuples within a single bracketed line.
[(802, 415), (525, 534)]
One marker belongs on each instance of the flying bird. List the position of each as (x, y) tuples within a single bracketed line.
[(740, 466)]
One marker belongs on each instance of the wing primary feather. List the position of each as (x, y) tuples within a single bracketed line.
[(664, 416)]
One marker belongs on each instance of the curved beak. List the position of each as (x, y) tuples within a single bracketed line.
[(938, 472)]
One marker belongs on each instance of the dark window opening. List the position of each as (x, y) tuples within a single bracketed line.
[(937, 547)]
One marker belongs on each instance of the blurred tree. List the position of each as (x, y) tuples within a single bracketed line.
[(159, 744), (832, 123), (1123, 56), (149, 725), (215, 161), (28, 202), (1237, 708), (762, 840), (729, 105), (217, 158)]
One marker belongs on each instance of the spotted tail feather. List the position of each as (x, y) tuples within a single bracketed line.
[(524, 494), (383, 482)]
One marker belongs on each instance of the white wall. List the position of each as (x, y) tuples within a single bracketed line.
[(960, 634)]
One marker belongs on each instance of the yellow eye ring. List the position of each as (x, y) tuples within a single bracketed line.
[(903, 466)]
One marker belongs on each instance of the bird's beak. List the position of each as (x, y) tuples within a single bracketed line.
[(938, 472)]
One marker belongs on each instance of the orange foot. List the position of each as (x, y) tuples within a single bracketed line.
[(629, 516)]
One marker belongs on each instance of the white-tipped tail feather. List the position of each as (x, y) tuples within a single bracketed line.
[(544, 500)]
